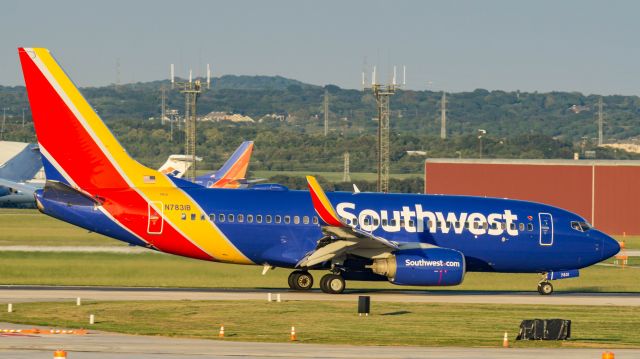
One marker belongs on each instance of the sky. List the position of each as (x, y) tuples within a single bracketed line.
[(546, 45)]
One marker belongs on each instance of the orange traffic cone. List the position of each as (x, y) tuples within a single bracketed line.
[(505, 340), (59, 354), (608, 355), (221, 333), (293, 334)]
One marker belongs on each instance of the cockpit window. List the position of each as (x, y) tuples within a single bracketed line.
[(581, 226)]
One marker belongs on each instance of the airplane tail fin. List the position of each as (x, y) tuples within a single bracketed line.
[(76, 146), (177, 165), (24, 165), (232, 171)]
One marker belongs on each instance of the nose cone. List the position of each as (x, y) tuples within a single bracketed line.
[(610, 247)]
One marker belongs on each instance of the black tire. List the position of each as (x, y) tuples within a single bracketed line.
[(333, 284), (545, 288), (323, 283), (303, 281), (293, 278)]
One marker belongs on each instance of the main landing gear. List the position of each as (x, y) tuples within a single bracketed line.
[(545, 288), (329, 283), (300, 280), (332, 283)]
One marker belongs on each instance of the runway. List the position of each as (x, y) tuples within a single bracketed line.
[(100, 345), (17, 294)]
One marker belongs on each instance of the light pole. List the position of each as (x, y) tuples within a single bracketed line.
[(481, 133)]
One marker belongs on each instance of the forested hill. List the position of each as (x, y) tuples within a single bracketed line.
[(501, 114)]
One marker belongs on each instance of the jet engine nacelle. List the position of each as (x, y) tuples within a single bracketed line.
[(422, 266)]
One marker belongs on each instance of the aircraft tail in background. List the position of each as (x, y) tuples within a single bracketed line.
[(24, 165), (177, 165), (233, 173)]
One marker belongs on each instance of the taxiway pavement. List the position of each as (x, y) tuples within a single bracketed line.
[(17, 294)]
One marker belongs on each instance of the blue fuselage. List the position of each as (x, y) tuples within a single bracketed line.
[(279, 227)]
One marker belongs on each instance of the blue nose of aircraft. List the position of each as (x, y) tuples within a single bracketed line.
[(610, 247)]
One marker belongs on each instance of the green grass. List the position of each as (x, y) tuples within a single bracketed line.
[(480, 325), (630, 242), (160, 270), (28, 227)]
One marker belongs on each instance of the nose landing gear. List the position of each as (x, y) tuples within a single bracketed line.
[(545, 288)]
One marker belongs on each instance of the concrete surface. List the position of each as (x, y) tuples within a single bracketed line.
[(17, 294), (100, 345)]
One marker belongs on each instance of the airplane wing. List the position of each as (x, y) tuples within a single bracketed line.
[(17, 186), (339, 237)]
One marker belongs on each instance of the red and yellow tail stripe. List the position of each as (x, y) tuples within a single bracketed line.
[(83, 150), (321, 204)]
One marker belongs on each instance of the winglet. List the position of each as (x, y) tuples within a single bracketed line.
[(321, 204)]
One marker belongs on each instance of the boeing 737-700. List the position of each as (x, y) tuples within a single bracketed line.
[(407, 239)]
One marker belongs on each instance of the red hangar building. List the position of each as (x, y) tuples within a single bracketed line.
[(606, 193)]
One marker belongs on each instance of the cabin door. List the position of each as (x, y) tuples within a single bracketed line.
[(546, 229), (155, 222)]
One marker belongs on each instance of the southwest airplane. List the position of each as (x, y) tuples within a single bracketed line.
[(233, 173), (407, 239)]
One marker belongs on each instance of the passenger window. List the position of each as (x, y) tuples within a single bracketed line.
[(240, 218), (249, 218), (231, 218), (529, 226), (193, 216), (476, 225), (512, 225), (447, 224), (202, 217), (305, 219), (376, 222), (384, 221), (287, 219), (278, 219), (494, 225), (259, 218), (183, 216), (296, 220), (221, 217), (393, 222), (466, 225), (315, 220), (410, 223), (212, 217), (366, 221), (521, 226), (503, 226), (268, 218)]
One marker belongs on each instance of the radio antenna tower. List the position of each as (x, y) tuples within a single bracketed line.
[(163, 105), (191, 90), (382, 93), (326, 113), (600, 122), (443, 116), (346, 176)]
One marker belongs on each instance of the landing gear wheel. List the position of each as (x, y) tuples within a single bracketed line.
[(293, 276), (304, 281), (332, 284), (300, 280), (545, 288)]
